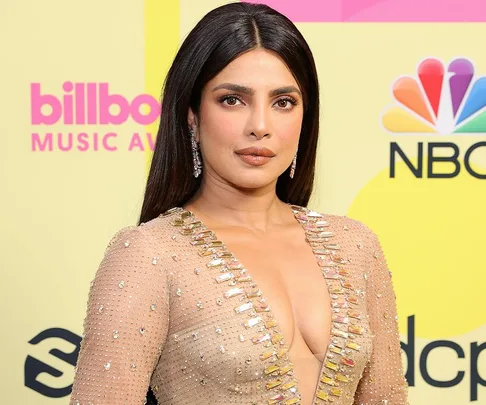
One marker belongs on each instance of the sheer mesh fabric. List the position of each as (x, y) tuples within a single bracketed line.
[(171, 309)]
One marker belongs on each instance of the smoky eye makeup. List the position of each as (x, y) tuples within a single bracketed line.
[(289, 99)]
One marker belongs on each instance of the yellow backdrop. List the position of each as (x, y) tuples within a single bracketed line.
[(69, 181)]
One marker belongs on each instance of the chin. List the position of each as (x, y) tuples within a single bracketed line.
[(253, 180)]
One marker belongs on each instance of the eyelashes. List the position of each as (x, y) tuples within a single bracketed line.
[(289, 99)]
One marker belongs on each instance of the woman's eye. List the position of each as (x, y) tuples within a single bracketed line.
[(286, 103), (282, 104), (232, 98)]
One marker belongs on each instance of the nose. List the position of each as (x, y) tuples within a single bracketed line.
[(259, 120)]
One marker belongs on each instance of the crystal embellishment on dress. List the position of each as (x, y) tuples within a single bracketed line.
[(341, 290), (232, 272), (256, 367), (350, 340)]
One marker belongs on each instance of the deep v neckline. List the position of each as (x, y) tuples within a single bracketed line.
[(319, 238)]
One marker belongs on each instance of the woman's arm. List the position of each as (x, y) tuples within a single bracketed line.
[(125, 326), (383, 382)]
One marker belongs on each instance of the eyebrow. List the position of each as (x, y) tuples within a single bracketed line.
[(251, 92)]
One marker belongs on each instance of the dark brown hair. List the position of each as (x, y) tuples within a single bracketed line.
[(221, 36)]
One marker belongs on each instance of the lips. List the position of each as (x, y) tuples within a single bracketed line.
[(256, 151), (255, 156)]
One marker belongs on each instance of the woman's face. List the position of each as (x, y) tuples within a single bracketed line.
[(232, 119)]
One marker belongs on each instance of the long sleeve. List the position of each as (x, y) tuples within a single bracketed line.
[(126, 323), (383, 381)]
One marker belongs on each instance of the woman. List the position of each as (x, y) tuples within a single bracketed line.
[(230, 290)]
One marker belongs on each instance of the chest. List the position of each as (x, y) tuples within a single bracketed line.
[(286, 271), (222, 336)]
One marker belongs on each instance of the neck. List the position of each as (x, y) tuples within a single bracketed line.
[(224, 205)]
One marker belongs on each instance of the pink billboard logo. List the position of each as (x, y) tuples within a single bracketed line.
[(90, 104)]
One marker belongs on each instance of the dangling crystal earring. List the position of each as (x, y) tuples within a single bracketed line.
[(196, 159), (292, 168)]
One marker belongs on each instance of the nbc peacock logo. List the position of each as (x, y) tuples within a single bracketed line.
[(440, 99)]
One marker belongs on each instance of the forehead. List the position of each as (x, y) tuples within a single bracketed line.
[(258, 68)]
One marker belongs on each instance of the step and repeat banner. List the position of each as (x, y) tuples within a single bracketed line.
[(402, 148)]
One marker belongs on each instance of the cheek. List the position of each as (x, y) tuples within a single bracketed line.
[(221, 131), (289, 131)]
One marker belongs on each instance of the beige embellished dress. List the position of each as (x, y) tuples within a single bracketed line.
[(171, 308)]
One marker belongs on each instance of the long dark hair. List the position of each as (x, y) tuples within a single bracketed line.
[(221, 36)]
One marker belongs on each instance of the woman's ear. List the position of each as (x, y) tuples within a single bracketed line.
[(192, 123)]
